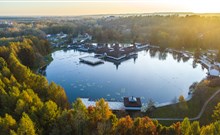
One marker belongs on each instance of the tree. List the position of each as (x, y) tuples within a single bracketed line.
[(216, 112), (197, 53), (27, 56), (143, 126), (65, 124), (7, 124), (150, 105), (181, 98), (2, 63), (218, 56), (57, 94), (195, 128), (26, 126), (102, 110), (217, 127), (99, 116), (185, 127), (177, 128), (182, 103), (108, 126), (80, 114), (48, 115), (207, 130), (124, 125), (20, 72)]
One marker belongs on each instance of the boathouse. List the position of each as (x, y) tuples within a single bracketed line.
[(132, 103)]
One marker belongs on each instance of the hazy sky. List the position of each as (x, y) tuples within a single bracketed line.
[(88, 7)]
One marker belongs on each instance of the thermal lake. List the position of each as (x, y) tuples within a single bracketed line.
[(154, 75)]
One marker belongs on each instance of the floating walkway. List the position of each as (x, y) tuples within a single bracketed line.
[(116, 58), (91, 60)]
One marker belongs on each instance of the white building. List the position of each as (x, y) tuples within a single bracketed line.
[(213, 72)]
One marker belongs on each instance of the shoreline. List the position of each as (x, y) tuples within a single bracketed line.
[(189, 97)]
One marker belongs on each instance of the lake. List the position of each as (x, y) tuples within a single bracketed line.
[(161, 77)]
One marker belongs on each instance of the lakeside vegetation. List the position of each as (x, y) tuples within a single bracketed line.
[(192, 107), (31, 105)]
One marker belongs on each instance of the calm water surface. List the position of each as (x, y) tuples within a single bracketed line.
[(161, 77)]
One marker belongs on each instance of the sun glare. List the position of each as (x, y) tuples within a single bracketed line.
[(205, 6)]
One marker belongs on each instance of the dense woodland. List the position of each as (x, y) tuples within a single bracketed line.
[(31, 105), (189, 31), (166, 31)]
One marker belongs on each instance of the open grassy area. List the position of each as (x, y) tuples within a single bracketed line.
[(192, 107), (207, 115)]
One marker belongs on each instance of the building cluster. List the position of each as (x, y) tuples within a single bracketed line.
[(207, 59), (57, 40), (81, 38), (115, 53), (9, 23)]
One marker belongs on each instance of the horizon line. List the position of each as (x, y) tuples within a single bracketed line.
[(81, 1), (174, 13)]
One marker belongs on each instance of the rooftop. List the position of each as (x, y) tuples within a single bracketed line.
[(214, 72), (132, 102), (113, 105)]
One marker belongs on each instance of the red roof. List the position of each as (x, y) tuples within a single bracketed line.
[(132, 102)]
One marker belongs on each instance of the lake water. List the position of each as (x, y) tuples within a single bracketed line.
[(161, 77)]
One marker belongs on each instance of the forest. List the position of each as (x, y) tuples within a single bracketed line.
[(167, 31), (31, 105)]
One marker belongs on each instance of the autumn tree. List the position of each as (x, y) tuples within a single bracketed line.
[(80, 118), (26, 126), (197, 53), (143, 126), (99, 115), (207, 130), (48, 115), (182, 103), (58, 95), (124, 125), (177, 128), (65, 124), (185, 127), (7, 124), (195, 128), (216, 112)]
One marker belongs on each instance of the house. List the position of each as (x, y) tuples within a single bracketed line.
[(132, 103), (213, 72), (82, 38)]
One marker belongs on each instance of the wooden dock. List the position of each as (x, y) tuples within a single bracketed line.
[(116, 58), (91, 60)]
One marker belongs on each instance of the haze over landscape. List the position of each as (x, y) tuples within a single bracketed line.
[(109, 67), (90, 7)]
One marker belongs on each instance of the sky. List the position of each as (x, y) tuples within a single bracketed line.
[(92, 7)]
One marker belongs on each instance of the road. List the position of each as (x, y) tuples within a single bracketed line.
[(191, 119)]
